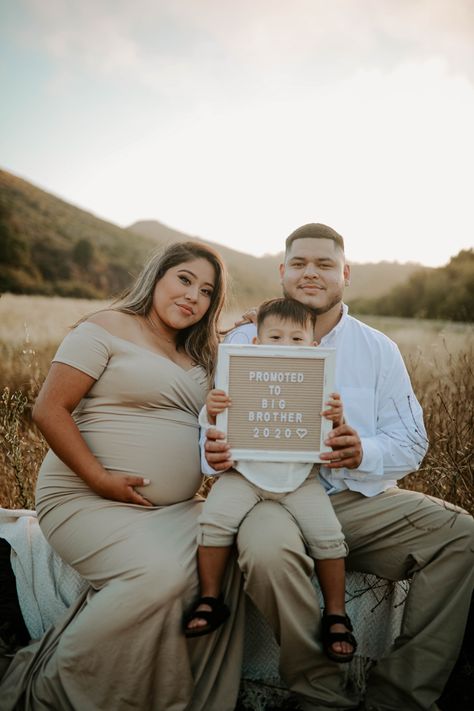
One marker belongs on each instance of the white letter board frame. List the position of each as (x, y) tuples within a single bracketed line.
[(318, 362)]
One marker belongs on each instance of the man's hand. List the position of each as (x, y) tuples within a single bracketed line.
[(250, 316), (346, 446), (217, 450)]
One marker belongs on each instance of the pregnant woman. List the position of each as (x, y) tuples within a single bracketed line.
[(116, 499)]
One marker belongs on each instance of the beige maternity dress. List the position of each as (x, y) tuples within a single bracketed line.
[(122, 645)]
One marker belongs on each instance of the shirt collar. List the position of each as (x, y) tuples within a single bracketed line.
[(329, 339)]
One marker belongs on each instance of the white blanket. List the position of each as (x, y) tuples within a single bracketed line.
[(45, 584)]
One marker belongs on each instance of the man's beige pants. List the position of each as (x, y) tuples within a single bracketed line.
[(396, 535)]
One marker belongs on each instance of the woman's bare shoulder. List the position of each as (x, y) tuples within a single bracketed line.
[(116, 322)]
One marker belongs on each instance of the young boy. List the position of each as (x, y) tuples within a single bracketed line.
[(295, 485)]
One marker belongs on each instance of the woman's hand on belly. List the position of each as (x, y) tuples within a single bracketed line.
[(120, 487)]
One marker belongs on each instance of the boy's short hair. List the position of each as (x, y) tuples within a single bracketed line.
[(286, 310), (314, 230)]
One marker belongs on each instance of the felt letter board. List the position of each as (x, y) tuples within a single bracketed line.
[(278, 393)]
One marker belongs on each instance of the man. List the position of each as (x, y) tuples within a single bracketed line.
[(392, 533)]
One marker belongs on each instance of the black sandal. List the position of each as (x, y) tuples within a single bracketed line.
[(214, 617), (330, 637)]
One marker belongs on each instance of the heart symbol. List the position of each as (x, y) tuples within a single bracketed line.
[(301, 433)]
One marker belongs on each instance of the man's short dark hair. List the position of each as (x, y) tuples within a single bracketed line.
[(286, 310), (314, 230)]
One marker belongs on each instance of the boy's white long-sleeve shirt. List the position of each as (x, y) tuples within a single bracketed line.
[(379, 403), (271, 476)]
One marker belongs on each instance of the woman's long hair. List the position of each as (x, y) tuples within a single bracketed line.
[(200, 340)]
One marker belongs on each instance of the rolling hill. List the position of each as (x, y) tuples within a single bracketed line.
[(48, 246)]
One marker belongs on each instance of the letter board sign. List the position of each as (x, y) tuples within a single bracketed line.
[(278, 393)]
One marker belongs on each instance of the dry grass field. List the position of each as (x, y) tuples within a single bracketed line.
[(439, 357)]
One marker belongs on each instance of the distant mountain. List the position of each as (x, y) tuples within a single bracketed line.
[(252, 278), (373, 280), (48, 246), (367, 280)]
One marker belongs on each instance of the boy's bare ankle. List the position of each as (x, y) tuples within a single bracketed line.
[(335, 610), (210, 592)]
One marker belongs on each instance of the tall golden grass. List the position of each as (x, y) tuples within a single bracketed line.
[(439, 357)]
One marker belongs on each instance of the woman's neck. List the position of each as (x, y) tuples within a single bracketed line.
[(159, 330)]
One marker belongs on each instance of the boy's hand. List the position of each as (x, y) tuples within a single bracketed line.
[(216, 402), (334, 411)]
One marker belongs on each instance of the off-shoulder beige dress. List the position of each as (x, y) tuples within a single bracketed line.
[(122, 645)]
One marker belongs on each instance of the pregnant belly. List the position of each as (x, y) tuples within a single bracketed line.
[(166, 453)]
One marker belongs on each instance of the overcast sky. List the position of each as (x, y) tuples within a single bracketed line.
[(239, 121)]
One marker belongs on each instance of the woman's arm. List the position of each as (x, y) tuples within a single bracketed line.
[(62, 391)]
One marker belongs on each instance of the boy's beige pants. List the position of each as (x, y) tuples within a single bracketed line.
[(233, 496), (396, 535)]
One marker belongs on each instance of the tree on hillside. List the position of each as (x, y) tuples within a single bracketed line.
[(14, 249), (83, 253)]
